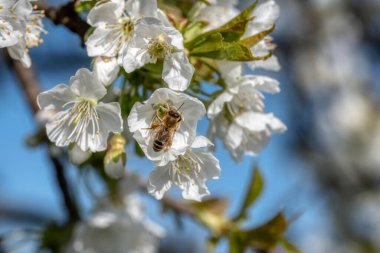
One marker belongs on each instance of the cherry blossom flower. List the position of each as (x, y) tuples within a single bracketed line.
[(20, 28), (155, 41), (188, 172), (121, 228), (80, 117), (144, 114), (238, 118), (114, 22)]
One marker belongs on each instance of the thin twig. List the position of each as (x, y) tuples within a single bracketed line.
[(31, 88)]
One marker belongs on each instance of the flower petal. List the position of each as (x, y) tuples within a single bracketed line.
[(201, 142), (159, 181), (106, 69), (105, 13), (56, 97), (103, 42), (177, 71), (110, 117), (86, 85), (141, 8), (217, 105)]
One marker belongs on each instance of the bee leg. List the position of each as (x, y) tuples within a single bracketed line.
[(153, 126)]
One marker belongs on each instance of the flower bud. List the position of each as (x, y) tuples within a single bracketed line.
[(115, 158)]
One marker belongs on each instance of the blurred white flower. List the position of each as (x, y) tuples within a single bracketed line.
[(154, 111), (189, 172), (20, 28), (238, 118), (80, 118), (122, 229), (77, 156), (155, 41)]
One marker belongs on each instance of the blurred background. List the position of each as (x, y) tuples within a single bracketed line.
[(324, 172)]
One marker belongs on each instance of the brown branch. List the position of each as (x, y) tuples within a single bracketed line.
[(67, 16), (175, 205), (31, 88)]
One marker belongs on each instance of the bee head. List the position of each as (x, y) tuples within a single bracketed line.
[(175, 114)]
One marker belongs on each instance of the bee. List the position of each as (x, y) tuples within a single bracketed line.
[(164, 125)]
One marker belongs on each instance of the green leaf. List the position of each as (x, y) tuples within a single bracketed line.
[(237, 243), (221, 50), (254, 39), (230, 32), (289, 247), (235, 28), (254, 190), (269, 234), (81, 6)]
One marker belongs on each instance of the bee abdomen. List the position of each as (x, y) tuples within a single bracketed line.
[(158, 146)]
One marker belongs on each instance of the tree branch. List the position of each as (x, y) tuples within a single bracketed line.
[(67, 16), (31, 88)]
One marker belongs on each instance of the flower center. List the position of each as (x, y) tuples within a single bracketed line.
[(184, 165), (79, 117), (158, 48)]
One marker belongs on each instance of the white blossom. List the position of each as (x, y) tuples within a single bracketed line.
[(238, 118), (188, 172), (114, 22), (80, 117), (143, 115), (20, 28), (116, 229), (155, 41)]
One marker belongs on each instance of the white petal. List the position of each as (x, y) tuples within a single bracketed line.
[(55, 98), (230, 70), (8, 36), (217, 105), (257, 122), (177, 71), (78, 156), (261, 83), (234, 136), (103, 42), (265, 15), (110, 117), (86, 85), (159, 181), (201, 142), (135, 55), (106, 69), (19, 52), (269, 64), (140, 116), (141, 8), (105, 13)]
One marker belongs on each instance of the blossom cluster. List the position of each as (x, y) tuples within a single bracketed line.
[(20, 28), (135, 36)]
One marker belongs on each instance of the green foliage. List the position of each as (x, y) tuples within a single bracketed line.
[(81, 6), (56, 236), (225, 43), (253, 192), (269, 234)]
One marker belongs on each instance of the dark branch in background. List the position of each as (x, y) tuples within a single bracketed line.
[(67, 16), (31, 88)]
